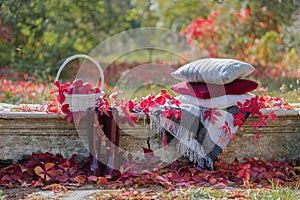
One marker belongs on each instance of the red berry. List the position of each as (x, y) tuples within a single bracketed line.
[(87, 86), (78, 83), (81, 90)]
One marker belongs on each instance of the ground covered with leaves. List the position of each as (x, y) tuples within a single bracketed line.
[(53, 172)]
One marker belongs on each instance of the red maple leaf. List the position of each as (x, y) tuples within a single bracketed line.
[(211, 115)]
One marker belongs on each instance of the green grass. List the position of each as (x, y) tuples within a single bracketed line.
[(210, 193), (204, 193)]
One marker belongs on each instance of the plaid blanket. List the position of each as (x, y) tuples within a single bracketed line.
[(200, 138)]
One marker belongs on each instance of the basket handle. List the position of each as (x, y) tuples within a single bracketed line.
[(81, 56)]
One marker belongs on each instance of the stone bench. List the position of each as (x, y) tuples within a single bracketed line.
[(24, 133)]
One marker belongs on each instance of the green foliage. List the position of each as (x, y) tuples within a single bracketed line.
[(45, 32), (177, 15), (171, 14)]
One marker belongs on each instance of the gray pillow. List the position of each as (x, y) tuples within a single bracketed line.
[(213, 71)]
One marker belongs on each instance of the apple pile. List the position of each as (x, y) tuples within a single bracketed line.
[(79, 87)]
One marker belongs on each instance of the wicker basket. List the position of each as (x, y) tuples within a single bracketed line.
[(81, 102)]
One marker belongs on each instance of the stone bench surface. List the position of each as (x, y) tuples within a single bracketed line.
[(24, 132)]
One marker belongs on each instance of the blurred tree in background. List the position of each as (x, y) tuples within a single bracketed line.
[(36, 35), (251, 31), (45, 32)]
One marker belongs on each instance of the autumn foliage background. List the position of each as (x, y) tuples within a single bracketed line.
[(36, 36)]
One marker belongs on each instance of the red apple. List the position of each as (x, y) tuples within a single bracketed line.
[(77, 83), (81, 90), (87, 86), (90, 92)]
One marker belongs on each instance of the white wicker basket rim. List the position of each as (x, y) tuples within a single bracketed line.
[(86, 57)]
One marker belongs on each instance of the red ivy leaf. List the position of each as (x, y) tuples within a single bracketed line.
[(80, 179), (288, 106), (255, 125), (152, 104), (239, 119), (130, 105), (211, 115), (272, 116), (246, 166), (160, 100), (226, 128), (241, 173), (57, 84), (232, 136), (163, 92), (163, 181), (133, 117), (212, 181), (102, 180), (6, 178), (61, 97), (92, 178), (46, 172), (63, 178), (222, 138)]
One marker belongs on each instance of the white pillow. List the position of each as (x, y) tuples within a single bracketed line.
[(221, 102), (213, 71)]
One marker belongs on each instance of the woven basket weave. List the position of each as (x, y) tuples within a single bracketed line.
[(81, 102)]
